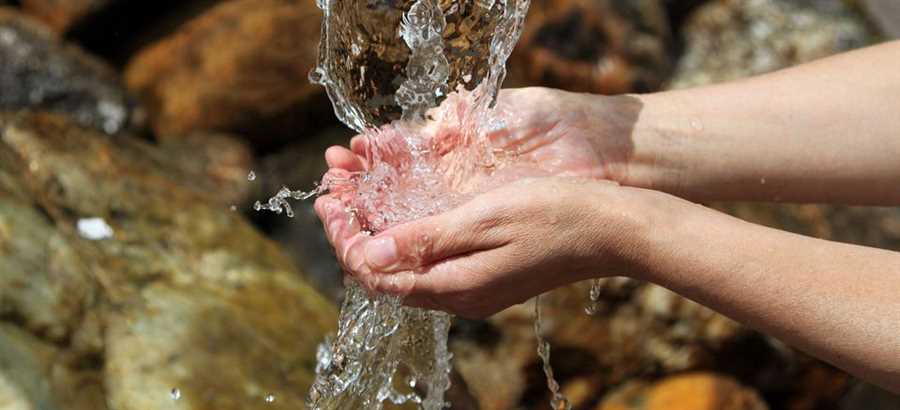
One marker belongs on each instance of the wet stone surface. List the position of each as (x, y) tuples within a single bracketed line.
[(182, 293)]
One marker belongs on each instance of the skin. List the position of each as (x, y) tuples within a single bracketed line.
[(826, 132)]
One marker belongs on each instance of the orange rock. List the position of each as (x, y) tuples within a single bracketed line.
[(702, 391), (693, 391), (242, 67)]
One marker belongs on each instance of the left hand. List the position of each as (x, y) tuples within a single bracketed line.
[(500, 248)]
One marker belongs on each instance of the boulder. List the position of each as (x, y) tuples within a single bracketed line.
[(600, 46), (241, 66), (63, 14), (730, 39), (150, 282), (41, 72)]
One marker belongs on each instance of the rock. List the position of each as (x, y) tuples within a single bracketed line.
[(730, 39), (599, 46), (42, 281), (24, 363), (885, 14), (182, 293), (39, 72), (36, 375), (640, 330), (240, 67), (62, 14), (212, 162), (693, 391)]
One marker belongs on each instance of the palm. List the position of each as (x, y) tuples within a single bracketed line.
[(548, 135), (540, 133)]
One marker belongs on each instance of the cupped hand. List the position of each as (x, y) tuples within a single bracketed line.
[(498, 249), (513, 242)]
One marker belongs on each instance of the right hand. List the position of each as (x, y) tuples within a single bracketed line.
[(554, 132)]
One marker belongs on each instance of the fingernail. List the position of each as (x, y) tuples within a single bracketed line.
[(382, 252)]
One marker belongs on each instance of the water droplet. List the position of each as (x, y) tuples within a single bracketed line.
[(697, 125), (251, 176), (270, 398), (175, 394)]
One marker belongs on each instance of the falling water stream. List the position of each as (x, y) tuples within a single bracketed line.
[(418, 79)]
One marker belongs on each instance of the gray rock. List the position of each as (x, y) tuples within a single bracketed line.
[(885, 14), (38, 71), (730, 39)]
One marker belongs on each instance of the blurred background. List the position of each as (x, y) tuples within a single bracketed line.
[(135, 276)]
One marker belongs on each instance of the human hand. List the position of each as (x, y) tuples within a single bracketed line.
[(551, 132), (500, 248)]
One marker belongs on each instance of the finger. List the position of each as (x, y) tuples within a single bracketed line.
[(341, 226), (423, 242), (340, 157), (359, 145)]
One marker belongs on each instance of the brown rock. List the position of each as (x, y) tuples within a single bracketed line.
[(242, 67), (696, 391), (596, 46), (639, 330), (62, 14)]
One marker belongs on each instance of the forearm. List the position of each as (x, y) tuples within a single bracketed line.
[(828, 131), (836, 301)]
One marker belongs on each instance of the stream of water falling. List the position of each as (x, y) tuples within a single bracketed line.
[(411, 75)]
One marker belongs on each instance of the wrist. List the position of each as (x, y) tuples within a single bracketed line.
[(626, 226), (659, 129), (653, 228)]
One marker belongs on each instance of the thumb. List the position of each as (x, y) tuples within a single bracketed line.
[(423, 242)]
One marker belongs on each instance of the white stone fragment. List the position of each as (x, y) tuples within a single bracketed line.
[(95, 229)]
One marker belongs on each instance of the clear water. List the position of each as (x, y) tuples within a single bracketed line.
[(417, 77), (394, 62)]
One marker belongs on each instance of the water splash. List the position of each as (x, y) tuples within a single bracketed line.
[(557, 400), (417, 78), (405, 59), (279, 203)]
